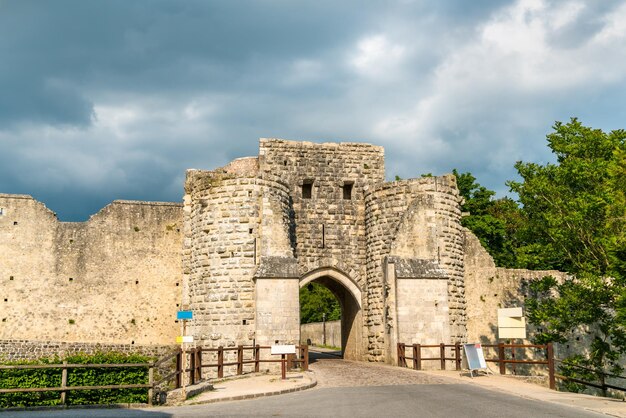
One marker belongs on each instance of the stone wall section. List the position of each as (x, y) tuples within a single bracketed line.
[(489, 288), (15, 350), (236, 222), (90, 282), (329, 230), (314, 332), (222, 214), (417, 218)]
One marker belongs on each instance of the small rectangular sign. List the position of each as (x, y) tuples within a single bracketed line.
[(283, 349), (508, 312), (511, 322), (184, 315), (506, 333), (184, 339)]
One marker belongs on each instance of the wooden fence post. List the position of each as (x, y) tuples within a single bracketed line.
[(551, 377), (64, 383), (418, 359), (220, 362), (240, 359), (415, 356), (501, 358), (401, 355), (199, 364), (305, 354), (457, 355), (257, 357), (179, 363), (192, 366), (151, 383), (442, 353)]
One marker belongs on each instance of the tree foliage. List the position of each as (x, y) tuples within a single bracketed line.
[(574, 212), (494, 221), (570, 216), (316, 300)]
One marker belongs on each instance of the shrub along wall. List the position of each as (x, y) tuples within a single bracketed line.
[(33, 378)]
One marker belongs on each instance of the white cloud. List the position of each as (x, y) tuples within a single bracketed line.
[(377, 57), (492, 82)]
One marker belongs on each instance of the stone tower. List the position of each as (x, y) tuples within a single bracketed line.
[(260, 228)]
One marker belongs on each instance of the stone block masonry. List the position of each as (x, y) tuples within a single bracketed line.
[(114, 279), (236, 251)]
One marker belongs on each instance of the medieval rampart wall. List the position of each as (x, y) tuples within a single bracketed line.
[(489, 288), (114, 279)]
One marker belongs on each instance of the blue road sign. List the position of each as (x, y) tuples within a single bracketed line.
[(184, 315)]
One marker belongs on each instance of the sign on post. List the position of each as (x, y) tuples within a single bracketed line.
[(184, 339), (182, 315), (283, 350), (511, 323)]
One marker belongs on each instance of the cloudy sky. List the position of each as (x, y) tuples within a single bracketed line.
[(104, 100)]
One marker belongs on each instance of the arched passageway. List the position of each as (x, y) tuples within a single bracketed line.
[(349, 296)]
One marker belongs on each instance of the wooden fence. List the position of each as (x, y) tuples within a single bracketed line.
[(192, 364), (418, 359), (194, 361), (502, 358), (64, 388)]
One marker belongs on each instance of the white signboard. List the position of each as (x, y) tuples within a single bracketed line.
[(184, 339), (283, 349), (511, 323), (475, 356)]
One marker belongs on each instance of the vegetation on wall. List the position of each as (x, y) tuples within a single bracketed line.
[(43, 378)]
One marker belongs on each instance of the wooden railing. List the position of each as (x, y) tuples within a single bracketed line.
[(418, 359), (502, 358), (601, 376), (194, 360), (64, 388)]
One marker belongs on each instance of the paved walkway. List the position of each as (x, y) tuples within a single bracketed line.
[(327, 371), (513, 386), (254, 386)]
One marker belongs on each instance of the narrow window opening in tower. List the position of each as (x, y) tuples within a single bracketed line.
[(307, 189), (323, 236), (347, 191)]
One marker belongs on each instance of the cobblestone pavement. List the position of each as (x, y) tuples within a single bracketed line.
[(332, 371)]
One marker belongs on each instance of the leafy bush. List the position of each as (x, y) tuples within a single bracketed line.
[(31, 378)]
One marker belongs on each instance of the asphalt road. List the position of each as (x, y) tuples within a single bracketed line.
[(425, 400)]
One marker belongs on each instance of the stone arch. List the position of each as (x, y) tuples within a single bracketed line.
[(338, 276), (349, 294)]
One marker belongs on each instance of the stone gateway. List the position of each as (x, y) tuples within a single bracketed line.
[(236, 252)]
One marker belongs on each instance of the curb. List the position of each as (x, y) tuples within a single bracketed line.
[(309, 385)]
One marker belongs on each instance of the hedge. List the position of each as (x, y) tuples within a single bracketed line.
[(31, 378)]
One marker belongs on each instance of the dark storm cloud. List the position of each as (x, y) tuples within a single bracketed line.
[(115, 99)]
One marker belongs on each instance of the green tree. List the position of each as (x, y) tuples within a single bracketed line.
[(494, 221), (574, 213), (316, 300)]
